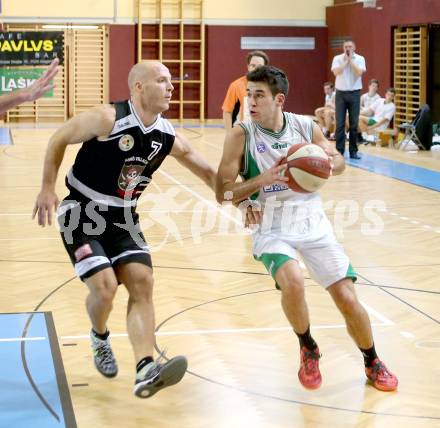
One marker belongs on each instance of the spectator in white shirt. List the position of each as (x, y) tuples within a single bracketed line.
[(380, 114), (348, 68), (326, 115), (371, 96)]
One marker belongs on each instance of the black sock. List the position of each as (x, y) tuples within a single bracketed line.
[(142, 363), (369, 355), (101, 336), (306, 340)]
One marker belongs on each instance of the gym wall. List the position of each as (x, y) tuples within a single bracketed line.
[(226, 22), (306, 70), (313, 10), (371, 30)]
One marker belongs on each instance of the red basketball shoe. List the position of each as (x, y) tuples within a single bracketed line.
[(309, 374), (380, 377)]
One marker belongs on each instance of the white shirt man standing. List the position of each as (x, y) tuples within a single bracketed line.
[(348, 68)]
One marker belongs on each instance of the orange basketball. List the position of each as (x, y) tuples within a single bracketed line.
[(308, 167)]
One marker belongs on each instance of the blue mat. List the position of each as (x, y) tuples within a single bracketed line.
[(5, 136), (400, 171), (33, 390)]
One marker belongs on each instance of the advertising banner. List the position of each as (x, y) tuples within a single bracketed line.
[(12, 79), (31, 47)]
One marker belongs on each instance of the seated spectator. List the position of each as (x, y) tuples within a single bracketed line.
[(371, 96), (379, 115), (326, 115)]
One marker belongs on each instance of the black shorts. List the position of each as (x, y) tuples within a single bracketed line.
[(97, 237)]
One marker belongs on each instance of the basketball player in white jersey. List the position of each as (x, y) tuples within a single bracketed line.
[(123, 144), (293, 223)]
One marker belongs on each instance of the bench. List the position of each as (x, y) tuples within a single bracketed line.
[(388, 137)]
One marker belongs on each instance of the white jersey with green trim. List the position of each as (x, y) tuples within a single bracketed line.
[(263, 148)]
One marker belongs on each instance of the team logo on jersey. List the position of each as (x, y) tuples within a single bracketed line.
[(261, 147), (279, 146), (274, 188), (129, 178), (126, 142)]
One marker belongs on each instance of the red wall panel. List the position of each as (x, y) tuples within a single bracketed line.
[(225, 61), (371, 29), (122, 58)]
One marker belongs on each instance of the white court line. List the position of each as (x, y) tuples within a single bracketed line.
[(383, 318), (22, 339), (16, 214), (425, 226), (139, 212), (224, 331), (201, 198), (29, 239), (215, 146), (169, 211)]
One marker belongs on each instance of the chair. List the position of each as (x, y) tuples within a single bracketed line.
[(419, 131), (410, 136)]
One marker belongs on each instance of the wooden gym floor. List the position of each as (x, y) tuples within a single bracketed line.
[(217, 306)]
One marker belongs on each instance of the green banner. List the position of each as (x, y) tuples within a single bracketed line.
[(13, 79)]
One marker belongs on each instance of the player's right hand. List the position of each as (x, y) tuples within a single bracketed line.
[(275, 174), (47, 202)]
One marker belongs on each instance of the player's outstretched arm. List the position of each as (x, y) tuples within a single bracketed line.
[(43, 84), (95, 122), (33, 92), (191, 159), (228, 189)]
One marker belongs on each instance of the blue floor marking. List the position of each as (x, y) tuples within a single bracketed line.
[(5, 136), (20, 407), (401, 171)]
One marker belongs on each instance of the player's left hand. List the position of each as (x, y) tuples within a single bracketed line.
[(331, 152), (252, 216), (43, 84)]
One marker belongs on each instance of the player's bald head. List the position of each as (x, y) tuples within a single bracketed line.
[(141, 71)]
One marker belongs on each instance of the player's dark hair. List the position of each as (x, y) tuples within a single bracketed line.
[(260, 54), (275, 78)]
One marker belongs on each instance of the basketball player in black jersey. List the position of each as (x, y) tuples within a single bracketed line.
[(122, 145)]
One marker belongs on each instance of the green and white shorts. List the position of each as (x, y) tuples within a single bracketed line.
[(316, 243)]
